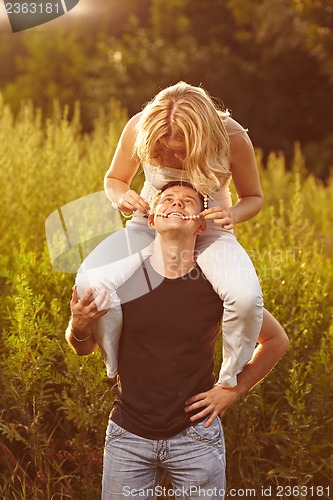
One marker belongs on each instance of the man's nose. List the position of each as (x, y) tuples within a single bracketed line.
[(178, 203)]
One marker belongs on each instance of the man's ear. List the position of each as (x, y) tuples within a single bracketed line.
[(151, 221)]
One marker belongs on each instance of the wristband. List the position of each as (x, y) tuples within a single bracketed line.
[(127, 216), (81, 340)]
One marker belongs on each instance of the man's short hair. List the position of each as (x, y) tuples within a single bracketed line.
[(172, 184)]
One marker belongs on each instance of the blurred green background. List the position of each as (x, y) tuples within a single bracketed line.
[(67, 89)]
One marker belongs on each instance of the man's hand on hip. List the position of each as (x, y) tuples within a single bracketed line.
[(213, 403)]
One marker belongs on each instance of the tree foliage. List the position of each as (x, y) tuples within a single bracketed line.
[(270, 62), (317, 16)]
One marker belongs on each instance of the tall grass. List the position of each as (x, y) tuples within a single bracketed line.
[(56, 404)]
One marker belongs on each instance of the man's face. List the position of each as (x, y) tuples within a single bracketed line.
[(175, 209)]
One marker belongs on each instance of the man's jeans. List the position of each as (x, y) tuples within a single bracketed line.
[(194, 460)]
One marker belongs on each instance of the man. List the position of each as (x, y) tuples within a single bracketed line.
[(165, 415)]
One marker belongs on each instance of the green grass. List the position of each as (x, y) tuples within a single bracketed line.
[(56, 404)]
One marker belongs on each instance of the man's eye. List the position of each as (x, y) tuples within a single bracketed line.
[(168, 198), (189, 201)]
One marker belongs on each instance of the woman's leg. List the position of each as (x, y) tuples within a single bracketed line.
[(119, 245), (230, 271), (115, 259)]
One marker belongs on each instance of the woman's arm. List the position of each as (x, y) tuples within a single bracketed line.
[(245, 176), (247, 183), (123, 167)]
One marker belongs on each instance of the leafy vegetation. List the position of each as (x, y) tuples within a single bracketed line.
[(55, 404)]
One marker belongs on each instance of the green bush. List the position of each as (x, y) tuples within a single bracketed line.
[(56, 404)]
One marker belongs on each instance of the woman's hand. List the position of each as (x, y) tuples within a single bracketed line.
[(131, 201), (220, 215)]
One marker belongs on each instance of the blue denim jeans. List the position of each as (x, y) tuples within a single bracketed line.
[(194, 460)]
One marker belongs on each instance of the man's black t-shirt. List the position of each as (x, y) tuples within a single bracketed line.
[(166, 352)]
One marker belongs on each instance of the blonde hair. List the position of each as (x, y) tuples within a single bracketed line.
[(188, 115)]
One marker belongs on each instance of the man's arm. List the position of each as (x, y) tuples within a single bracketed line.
[(85, 313), (272, 345)]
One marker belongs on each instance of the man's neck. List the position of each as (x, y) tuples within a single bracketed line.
[(173, 257)]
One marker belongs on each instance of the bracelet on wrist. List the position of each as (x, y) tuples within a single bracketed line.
[(127, 216), (81, 340)]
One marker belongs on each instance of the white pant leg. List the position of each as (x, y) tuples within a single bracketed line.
[(229, 269), (119, 245)]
